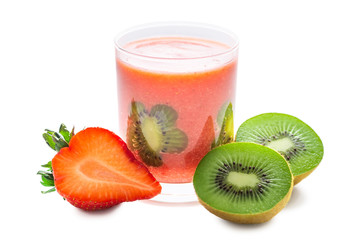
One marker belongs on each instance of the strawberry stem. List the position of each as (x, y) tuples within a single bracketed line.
[(56, 141), (47, 177)]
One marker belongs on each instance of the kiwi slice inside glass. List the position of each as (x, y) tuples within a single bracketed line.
[(151, 133), (243, 182), (225, 119), (291, 137)]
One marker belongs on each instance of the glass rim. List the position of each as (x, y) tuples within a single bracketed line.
[(230, 34)]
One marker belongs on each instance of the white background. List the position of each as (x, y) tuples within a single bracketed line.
[(57, 65)]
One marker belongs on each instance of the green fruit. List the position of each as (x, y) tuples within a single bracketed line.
[(225, 119), (149, 134), (243, 182), (288, 135)]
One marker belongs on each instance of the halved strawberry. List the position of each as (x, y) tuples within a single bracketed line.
[(97, 171)]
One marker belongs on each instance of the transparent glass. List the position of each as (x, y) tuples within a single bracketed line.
[(176, 94)]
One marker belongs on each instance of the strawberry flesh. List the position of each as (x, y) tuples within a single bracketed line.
[(98, 171)]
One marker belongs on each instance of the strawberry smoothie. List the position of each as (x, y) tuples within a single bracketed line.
[(171, 91)]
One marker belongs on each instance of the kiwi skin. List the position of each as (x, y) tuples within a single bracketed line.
[(300, 177), (251, 218)]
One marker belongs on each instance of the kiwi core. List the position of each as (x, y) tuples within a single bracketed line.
[(152, 133), (281, 145), (242, 179)]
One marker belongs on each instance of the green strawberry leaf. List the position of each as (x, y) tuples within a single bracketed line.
[(48, 166), (49, 191), (55, 141), (59, 143), (49, 140), (65, 133), (47, 180)]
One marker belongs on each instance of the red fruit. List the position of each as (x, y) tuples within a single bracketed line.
[(98, 171), (203, 145)]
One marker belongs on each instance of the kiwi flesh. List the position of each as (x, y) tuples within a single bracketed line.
[(291, 137), (243, 182), (225, 119), (149, 134)]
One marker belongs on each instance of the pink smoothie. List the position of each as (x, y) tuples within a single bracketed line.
[(196, 92)]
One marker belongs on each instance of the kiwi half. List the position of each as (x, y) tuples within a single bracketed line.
[(243, 182), (288, 135), (151, 133)]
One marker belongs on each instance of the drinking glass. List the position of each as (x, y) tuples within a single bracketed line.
[(176, 96)]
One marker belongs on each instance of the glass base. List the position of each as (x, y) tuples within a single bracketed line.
[(176, 193)]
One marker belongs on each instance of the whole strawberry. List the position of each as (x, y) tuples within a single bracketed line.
[(94, 169)]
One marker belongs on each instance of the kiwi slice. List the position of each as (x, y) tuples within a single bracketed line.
[(288, 135), (151, 133), (243, 182), (225, 119)]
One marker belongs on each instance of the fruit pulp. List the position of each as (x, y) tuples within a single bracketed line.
[(154, 73)]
